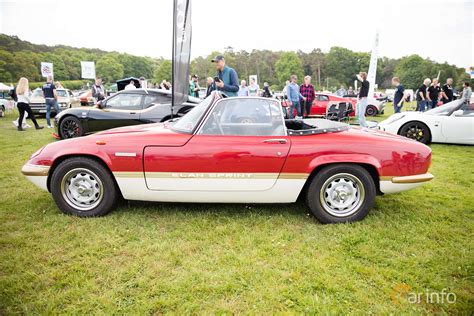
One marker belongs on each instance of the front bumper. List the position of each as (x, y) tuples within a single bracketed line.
[(399, 184), (38, 174)]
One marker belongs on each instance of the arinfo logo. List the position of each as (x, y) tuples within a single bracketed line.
[(403, 292)]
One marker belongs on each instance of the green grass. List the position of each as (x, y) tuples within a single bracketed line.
[(190, 258)]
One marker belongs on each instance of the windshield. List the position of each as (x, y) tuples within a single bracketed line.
[(61, 93), (446, 109), (188, 123)]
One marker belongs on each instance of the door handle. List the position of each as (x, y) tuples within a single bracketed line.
[(133, 112), (275, 141)]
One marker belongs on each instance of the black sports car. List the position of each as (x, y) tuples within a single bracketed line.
[(127, 107)]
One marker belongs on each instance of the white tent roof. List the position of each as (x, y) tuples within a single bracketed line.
[(4, 87)]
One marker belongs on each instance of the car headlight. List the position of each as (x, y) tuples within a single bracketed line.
[(63, 105), (36, 153), (392, 119)]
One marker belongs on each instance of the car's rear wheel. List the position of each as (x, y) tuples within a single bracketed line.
[(371, 110), (70, 127), (341, 193), (83, 187), (417, 131)]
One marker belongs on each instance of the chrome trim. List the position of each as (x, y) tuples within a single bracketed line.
[(413, 179), (124, 154)]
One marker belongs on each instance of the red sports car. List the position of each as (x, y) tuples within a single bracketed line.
[(322, 101), (231, 150)]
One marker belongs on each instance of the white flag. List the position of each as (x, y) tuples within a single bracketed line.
[(373, 66), (47, 69), (88, 69)]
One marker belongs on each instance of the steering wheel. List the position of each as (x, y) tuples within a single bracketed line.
[(218, 123)]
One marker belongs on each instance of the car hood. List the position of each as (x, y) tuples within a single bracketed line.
[(397, 116)]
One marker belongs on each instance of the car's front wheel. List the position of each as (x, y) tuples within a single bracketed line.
[(417, 131), (82, 186), (341, 193), (70, 127)]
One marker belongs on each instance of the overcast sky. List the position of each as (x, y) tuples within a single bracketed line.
[(439, 29)]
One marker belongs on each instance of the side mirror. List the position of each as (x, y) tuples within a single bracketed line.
[(458, 113)]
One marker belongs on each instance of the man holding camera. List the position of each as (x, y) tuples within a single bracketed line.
[(226, 79)]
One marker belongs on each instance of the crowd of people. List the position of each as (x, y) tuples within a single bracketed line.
[(299, 97)]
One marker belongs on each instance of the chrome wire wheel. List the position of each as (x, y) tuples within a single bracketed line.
[(82, 189), (342, 195)]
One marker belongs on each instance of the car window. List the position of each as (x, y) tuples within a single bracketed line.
[(151, 99), (125, 101), (446, 109), (245, 117), (323, 98), (61, 93)]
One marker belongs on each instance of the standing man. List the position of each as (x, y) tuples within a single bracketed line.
[(50, 96), (210, 86), (228, 80), (253, 88), (194, 86), (466, 93), (422, 95), (307, 91), (362, 102), (399, 96), (130, 86), (266, 90), (433, 93), (243, 89), (294, 97), (341, 92), (447, 93), (98, 90)]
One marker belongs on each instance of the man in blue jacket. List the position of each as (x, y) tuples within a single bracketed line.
[(228, 79), (294, 97)]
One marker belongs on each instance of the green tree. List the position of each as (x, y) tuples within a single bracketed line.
[(412, 70), (288, 64), (109, 68), (163, 71)]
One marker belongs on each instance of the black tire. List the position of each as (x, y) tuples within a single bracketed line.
[(351, 183), (417, 131), (83, 187), (70, 127), (371, 110)]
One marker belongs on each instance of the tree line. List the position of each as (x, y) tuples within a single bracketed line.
[(329, 69)]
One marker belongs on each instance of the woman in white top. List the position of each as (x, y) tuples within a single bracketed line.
[(23, 103)]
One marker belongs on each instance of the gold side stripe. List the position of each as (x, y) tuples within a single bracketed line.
[(210, 175)]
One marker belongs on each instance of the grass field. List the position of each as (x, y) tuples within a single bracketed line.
[(148, 258)]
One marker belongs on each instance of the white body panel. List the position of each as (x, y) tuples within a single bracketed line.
[(284, 191)]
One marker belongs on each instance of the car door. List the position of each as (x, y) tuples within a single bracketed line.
[(459, 126), (156, 106), (241, 146), (122, 109), (320, 105)]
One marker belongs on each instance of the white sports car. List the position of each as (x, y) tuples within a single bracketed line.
[(450, 123)]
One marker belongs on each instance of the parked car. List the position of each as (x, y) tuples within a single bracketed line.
[(449, 123), (86, 98), (211, 155), (66, 100), (323, 100), (127, 107), (374, 106)]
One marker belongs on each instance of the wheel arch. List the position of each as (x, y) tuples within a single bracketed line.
[(60, 159), (371, 168), (416, 121)]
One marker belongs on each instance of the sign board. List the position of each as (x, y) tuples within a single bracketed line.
[(254, 77), (87, 70), (47, 69)]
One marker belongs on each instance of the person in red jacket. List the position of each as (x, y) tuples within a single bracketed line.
[(307, 91)]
